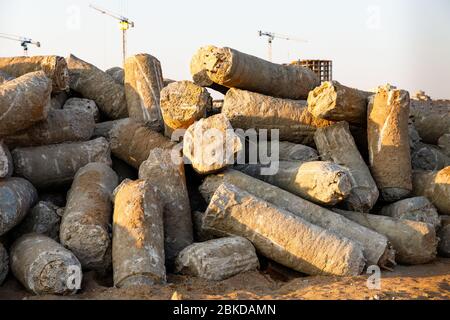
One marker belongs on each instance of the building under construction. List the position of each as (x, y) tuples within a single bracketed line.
[(323, 68)]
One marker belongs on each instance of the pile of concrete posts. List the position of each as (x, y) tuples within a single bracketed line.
[(135, 177)]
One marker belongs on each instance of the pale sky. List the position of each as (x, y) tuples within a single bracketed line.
[(403, 42)]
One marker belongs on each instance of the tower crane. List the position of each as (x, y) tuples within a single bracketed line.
[(124, 24), (24, 42), (272, 36)]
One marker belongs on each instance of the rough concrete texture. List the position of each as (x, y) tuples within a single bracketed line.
[(376, 247), (416, 209), (84, 105), (138, 235), (6, 162), (132, 141), (55, 68), (266, 151), (43, 219), (4, 77), (321, 182), (281, 236), (183, 103), (118, 74), (428, 157), (444, 238), (201, 233), (56, 165), (200, 74), (333, 101), (211, 144), (23, 102), (102, 129), (435, 185), (17, 196), (444, 144), (4, 263), (249, 110), (414, 138), (231, 68), (288, 151), (169, 179), (43, 266), (57, 101), (335, 143), (85, 225), (414, 242), (99, 86), (387, 131), (431, 118), (143, 83), (60, 126), (217, 259)]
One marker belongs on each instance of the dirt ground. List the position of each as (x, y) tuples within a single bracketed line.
[(430, 281)]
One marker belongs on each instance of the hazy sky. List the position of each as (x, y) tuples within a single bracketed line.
[(403, 42)]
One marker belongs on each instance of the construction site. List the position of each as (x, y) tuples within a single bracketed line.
[(250, 179)]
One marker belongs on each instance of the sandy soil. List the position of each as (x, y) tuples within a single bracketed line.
[(431, 281)]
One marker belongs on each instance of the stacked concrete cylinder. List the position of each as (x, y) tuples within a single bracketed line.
[(183, 103), (56, 165), (17, 196), (333, 101), (376, 247), (24, 101), (431, 119), (165, 171), (43, 266), (387, 132), (435, 185), (249, 110), (54, 67), (414, 242), (132, 141), (143, 83), (322, 182), (211, 144), (87, 216), (233, 69), (218, 259), (84, 105), (44, 218), (282, 236), (138, 235), (416, 209), (335, 143), (60, 126), (99, 86)]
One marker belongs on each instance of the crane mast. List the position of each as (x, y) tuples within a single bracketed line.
[(124, 24)]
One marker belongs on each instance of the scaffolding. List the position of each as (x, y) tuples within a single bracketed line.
[(323, 68)]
